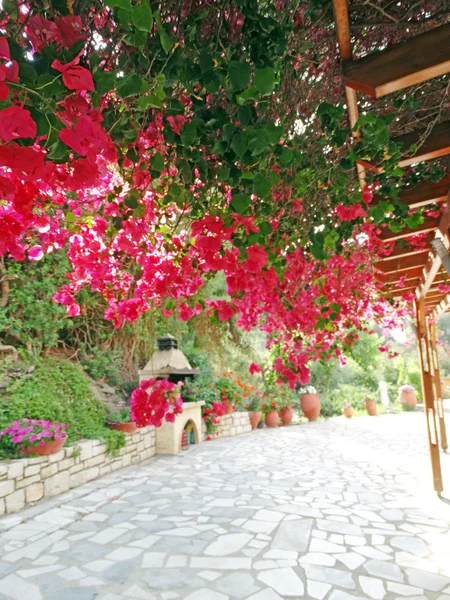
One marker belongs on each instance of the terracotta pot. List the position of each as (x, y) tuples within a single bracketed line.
[(371, 407), (286, 415), (230, 409), (126, 427), (255, 418), (408, 398), (272, 418), (310, 404), (50, 448), (348, 412)]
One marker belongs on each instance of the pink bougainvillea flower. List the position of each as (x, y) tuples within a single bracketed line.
[(177, 123), (254, 368), (89, 139), (4, 49), (75, 77), (350, 213), (70, 30), (40, 32), (16, 122), (36, 253)]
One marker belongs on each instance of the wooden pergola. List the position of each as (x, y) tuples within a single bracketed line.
[(416, 60)]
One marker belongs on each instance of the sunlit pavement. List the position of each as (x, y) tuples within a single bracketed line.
[(333, 510)]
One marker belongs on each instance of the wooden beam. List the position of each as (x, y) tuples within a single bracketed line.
[(412, 274), (405, 249), (342, 21), (397, 265), (421, 194), (434, 263), (417, 59), (429, 146), (428, 394), (429, 224)]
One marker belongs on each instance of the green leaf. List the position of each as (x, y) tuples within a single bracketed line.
[(188, 134), (261, 186), (239, 73), (239, 143), (27, 72), (259, 142), (240, 203), (249, 94), (164, 38), (131, 199), (125, 4), (142, 17), (264, 81), (157, 163), (265, 228), (58, 152), (150, 100), (205, 61), (223, 173), (245, 114), (105, 81), (131, 86), (186, 171)]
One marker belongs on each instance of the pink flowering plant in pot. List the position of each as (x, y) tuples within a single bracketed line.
[(31, 436)]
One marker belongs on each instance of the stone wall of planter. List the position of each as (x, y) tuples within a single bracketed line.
[(28, 480), (235, 424)]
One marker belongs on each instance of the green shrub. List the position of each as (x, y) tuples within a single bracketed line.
[(333, 401), (59, 391)]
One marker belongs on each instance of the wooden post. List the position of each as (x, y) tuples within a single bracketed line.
[(428, 395), (437, 383)]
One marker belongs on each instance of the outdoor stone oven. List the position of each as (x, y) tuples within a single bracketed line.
[(168, 362)]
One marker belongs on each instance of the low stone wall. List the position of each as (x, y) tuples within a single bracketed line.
[(27, 480), (235, 424)]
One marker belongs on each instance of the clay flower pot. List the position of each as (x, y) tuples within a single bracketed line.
[(49, 448), (348, 412), (286, 415), (371, 407), (408, 397), (272, 418), (126, 427), (255, 418), (310, 404), (230, 409)]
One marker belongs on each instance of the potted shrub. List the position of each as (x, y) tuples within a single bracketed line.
[(310, 402), (271, 416), (371, 406), (254, 411), (408, 395), (32, 436), (348, 411), (121, 421)]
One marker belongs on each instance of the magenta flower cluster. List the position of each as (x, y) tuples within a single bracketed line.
[(30, 432)]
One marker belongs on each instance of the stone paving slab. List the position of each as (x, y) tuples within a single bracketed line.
[(335, 510)]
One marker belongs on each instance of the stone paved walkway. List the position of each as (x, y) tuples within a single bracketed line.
[(337, 510)]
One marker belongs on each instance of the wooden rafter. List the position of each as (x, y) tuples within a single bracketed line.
[(429, 224), (430, 145), (418, 59), (405, 249), (397, 265), (422, 194)]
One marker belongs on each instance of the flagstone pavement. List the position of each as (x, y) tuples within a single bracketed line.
[(334, 510)]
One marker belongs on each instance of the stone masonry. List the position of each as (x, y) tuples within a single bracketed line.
[(235, 424), (28, 480)]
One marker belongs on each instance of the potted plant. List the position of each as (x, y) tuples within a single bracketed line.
[(270, 410), (32, 436), (121, 421), (254, 411), (371, 406), (310, 402), (408, 395), (348, 411), (286, 412)]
